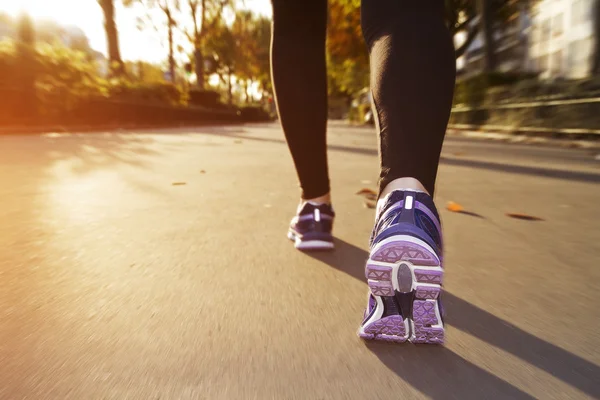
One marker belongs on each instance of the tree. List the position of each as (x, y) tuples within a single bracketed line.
[(240, 52), (169, 8), (486, 26), (206, 15), (596, 52), (252, 37), (460, 15), (347, 56), (221, 46), (112, 37), (26, 75)]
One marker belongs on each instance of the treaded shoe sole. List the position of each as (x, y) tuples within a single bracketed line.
[(404, 272), (309, 244)]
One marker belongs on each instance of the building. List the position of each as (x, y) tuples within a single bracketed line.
[(511, 42), (562, 38)]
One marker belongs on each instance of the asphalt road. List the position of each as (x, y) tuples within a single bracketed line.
[(154, 265)]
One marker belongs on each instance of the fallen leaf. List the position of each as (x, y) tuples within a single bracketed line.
[(454, 207), (369, 194), (202, 171), (178, 183), (369, 204), (525, 217)]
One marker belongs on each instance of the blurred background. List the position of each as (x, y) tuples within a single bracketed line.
[(142, 220), (70, 62)]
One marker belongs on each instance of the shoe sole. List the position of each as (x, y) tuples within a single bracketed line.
[(309, 244), (404, 269)]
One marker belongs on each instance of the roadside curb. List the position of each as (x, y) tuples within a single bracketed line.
[(516, 137), (23, 129)]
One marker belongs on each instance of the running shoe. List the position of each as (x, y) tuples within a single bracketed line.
[(311, 228), (404, 272)]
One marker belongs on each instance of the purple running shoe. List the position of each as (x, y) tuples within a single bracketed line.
[(311, 228), (404, 272)]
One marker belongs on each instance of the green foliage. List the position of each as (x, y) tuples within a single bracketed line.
[(347, 57), (252, 36), (346, 77), (254, 114), (143, 72), (494, 88), (8, 62), (205, 98), (150, 93), (64, 77)]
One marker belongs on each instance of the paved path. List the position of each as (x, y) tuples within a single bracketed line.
[(154, 265)]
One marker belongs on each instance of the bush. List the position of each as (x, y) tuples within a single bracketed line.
[(254, 114), (53, 79), (152, 93), (64, 78), (473, 91), (205, 98)]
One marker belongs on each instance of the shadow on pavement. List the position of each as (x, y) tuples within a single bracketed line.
[(440, 373), (579, 176)]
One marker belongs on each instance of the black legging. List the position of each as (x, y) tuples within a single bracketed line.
[(412, 82)]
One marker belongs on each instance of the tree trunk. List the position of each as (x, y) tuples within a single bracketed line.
[(116, 66), (487, 29), (198, 53), (199, 67), (246, 92), (595, 71), (229, 87), (26, 73), (171, 50), (197, 39)]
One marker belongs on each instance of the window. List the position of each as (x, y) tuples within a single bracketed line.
[(576, 9), (536, 33), (545, 30), (542, 63), (556, 62), (572, 54), (557, 25), (580, 50), (580, 12)]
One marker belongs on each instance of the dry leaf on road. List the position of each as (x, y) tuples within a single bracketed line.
[(454, 207), (369, 194)]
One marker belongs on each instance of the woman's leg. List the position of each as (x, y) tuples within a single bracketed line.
[(412, 81), (413, 71), (300, 82)]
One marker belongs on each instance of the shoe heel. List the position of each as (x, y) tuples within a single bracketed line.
[(391, 328), (404, 264), (427, 325), (427, 322)]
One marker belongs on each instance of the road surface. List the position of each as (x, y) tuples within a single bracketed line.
[(154, 265)]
